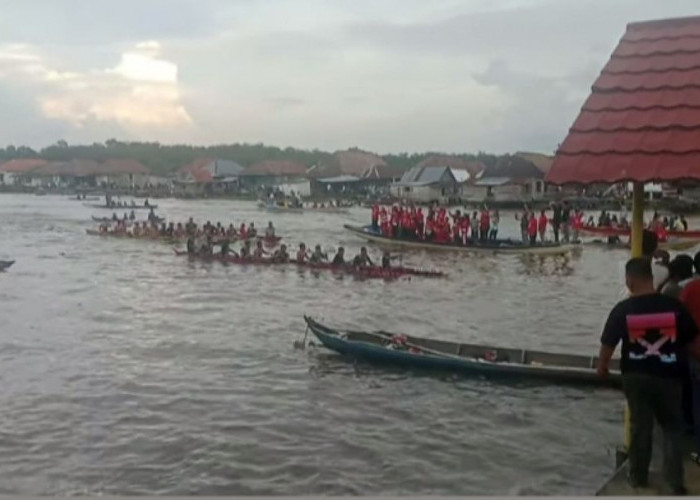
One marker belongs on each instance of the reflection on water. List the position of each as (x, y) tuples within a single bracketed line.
[(128, 370)]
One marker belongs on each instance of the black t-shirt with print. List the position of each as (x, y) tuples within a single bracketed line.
[(655, 331)]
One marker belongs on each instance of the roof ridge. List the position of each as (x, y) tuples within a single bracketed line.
[(639, 108), (675, 22)]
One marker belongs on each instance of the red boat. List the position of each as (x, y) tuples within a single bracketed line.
[(364, 272), (620, 231)]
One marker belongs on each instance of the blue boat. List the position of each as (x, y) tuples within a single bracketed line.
[(466, 359)]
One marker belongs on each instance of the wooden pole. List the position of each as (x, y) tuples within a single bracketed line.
[(637, 235)]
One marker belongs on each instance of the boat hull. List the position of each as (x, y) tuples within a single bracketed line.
[(618, 231), (6, 264), (374, 352), (500, 246), (364, 272)]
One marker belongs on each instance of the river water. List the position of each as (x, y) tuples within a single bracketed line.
[(128, 370)]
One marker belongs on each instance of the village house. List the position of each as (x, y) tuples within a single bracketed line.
[(207, 176), (283, 175), (76, 173), (353, 172), (464, 171), (15, 172), (427, 185), (517, 178)]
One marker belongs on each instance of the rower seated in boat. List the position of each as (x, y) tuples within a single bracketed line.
[(132, 215), (191, 247), (281, 255), (245, 250), (242, 231), (145, 203), (259, 251), (171, 230), (207, 247), (318, 255), (252, 232), (270, 230), (362, 259), (387, 258), (302, 253), (114, 216), (133, 203), (339, 259), (225, 248), (190, 227)]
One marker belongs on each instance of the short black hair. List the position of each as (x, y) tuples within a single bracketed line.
[(639, 267), (681, 267)]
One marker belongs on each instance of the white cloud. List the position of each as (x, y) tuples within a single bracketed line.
[(141, 91)]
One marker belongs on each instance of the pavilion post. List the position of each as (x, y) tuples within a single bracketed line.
[(637, 236)]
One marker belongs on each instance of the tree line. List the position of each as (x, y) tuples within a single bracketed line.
[(166, 159)]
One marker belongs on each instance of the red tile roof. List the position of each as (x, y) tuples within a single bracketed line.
[(197, 171), (642, 119), (21, 165), (276, 167)]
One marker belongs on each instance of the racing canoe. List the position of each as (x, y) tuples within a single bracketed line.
[(268, 241), (466, 359), (279, 208), (619, 231), (365, 272), (109, 220), (6, 264), (493, 246), (676, 245)]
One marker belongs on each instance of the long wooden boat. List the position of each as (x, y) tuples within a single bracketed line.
[(328, 210), (268, 241), (273, 207), (6, 264), (492, 246), (467, 359), (619, 231), (110, 220), (122, 207), (87, 198), (364, 272)]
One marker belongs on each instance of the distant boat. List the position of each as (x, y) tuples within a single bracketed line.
[(6, 264)]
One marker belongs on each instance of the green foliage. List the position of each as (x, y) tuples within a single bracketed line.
[(166, 159)]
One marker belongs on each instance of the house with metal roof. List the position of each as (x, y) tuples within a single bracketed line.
[(513, 179), (427, 185), (208, 176)]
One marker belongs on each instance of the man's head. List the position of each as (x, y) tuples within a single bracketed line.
[(638, 275)]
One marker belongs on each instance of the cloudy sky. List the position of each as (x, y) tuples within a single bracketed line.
[(383, 75)]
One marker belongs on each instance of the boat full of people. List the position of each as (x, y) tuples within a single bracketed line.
[(665, 227), (361, 266), (440, 230), (465, 359)]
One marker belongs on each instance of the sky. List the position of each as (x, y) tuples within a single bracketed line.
[(383, 75)]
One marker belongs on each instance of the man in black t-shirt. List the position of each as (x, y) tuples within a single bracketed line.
[(657, 334)]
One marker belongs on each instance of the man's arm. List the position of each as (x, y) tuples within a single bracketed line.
[(604, 357), (612, 333)]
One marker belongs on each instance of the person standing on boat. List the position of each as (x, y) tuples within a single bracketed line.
[(542, 225), (657, 335), (556, 221), (191, 227), (225, 247), (524, 225), (485, 224), (375, 217), (495, 220), (532, 228), (566, 221), (474, 224), (420, 224)]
